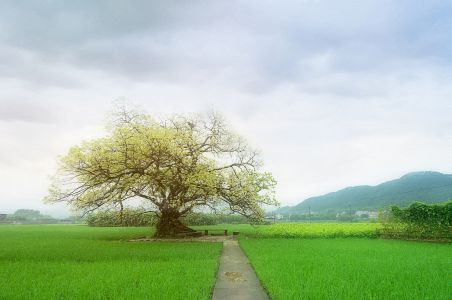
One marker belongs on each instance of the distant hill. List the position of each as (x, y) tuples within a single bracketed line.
[(419, 186)]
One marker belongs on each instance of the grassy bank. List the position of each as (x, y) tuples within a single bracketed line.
[(79, 262), (351, 268)]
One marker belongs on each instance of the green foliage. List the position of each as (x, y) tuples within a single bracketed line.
[(137, 218), (196, 219), (232, 219), (175, 166), (29, 216), (419, 220), (126, 218), (80, 262), (349, 269)]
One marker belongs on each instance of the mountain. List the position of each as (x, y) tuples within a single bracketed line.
[(418, 186)]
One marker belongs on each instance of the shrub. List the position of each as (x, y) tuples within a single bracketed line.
[(196, 219), (419, 221), (128, 218), (137, 217)]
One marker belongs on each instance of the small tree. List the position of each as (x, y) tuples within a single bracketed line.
[(176, 165)]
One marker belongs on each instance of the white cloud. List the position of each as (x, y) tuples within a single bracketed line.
[(333, 93)]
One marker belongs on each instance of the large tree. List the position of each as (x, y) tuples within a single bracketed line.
[(176, 165)]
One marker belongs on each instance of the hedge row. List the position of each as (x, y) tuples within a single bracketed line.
[(136, 218), (419, 221), (126, 218)]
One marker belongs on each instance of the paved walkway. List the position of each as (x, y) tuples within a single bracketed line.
[(236, 279)]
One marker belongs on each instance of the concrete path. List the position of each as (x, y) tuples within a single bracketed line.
[(236, 279)]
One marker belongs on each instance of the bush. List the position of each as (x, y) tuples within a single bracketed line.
[(137, 218), (419, 221), (128, 218), (196, 219)]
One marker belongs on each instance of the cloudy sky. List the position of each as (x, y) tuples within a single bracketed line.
[(333, 93)]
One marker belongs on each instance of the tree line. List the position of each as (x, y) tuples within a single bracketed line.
[(32, 216), (138, 217)]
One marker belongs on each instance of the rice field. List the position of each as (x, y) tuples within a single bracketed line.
[(292, 260), (351, 268), (79, 262)]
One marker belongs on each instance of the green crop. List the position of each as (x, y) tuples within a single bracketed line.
[(79, 262), (317, 230), (351, 268)]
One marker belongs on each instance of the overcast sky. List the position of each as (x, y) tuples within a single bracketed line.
[(333, 93)]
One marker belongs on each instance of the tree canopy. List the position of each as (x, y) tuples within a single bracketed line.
[(176, 165)]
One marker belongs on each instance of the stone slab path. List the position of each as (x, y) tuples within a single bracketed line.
[(236, 279)]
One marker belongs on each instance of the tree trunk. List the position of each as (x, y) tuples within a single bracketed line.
[(169, 225)]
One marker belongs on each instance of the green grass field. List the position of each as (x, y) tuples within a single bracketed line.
[(351, 268), (293, 261), (79, 262)]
